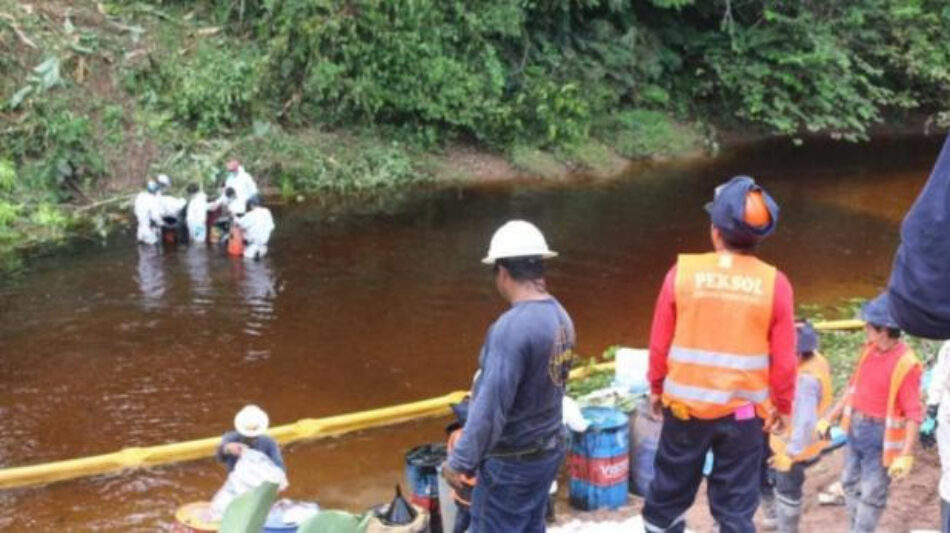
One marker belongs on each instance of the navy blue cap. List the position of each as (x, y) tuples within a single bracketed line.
[(876, 312), (727, 212), (806, 337)]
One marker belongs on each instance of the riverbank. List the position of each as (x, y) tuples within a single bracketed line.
[(349, 100)]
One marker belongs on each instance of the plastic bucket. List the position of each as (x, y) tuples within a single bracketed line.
[(422, 464), (599, 462), (287, 515), (645, 440), (169, 235), (195, 517), (446, 503), (236, 241)]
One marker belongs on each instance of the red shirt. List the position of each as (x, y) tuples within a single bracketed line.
[(783, 365), (873, 385)]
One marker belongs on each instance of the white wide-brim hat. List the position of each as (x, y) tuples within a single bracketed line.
[(251, 421)]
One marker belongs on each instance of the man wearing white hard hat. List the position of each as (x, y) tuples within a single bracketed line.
[(512, 438), (250, 426)]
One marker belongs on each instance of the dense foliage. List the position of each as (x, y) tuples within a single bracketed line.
[(183, 83), (546, 72)]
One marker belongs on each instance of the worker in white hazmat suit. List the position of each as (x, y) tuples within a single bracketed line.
[(196, 213), (148, 214), (937, 425), (241, 180), (257, 224)]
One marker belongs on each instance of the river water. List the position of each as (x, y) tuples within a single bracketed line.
[(114, 346)]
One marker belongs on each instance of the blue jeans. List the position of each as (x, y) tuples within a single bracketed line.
[(733, 486), (463, 518), (944, 516), (865, 479), (511, 494)]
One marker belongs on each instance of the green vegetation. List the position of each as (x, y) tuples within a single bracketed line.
[(841, 347), (349, 95)]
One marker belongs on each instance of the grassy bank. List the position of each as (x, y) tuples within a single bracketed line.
[(362, 96)]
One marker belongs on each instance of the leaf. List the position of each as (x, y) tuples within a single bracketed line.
[(49, 73), (17, 98)]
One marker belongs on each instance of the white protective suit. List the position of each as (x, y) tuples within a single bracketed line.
[(938, 393), (148, 214), (170, 206), (244, 188), (196, 215), (242, 183), (257, 225)]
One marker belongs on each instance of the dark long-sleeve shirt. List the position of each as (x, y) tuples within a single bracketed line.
[(516, 399), (263, 444), (783, 362)]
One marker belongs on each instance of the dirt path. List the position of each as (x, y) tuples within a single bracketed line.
[(913, 503)]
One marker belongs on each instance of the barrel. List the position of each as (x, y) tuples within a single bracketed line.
[(422, 463), (645, 440), (195, 517), (598, 462)]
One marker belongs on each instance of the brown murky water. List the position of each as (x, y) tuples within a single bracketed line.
[(115, 346)]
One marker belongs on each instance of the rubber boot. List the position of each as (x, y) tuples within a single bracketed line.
[(866, 518), (944, 516), (769, 516), (788, 514)]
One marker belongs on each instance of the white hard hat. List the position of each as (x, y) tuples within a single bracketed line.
[(517, 238), (164, 180), (251, 421)]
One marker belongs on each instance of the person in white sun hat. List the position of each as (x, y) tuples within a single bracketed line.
[(250, 424)]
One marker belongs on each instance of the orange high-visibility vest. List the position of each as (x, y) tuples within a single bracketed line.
[(895, 425), (719, 358), (818, 367)]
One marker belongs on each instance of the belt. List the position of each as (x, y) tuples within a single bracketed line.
[(858, 415), (538, 451)]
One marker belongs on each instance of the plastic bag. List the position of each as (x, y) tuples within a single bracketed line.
[(252, 469)]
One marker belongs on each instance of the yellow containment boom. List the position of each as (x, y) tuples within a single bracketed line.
[(828, 325), (305, 429)]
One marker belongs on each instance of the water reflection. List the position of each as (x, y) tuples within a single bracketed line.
[(196, 261), (151, 277), (256, 286), (387, 307)]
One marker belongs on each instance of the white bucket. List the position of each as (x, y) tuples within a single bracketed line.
[(630, 370), (446, 503)]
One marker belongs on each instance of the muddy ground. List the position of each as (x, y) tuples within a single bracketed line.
[(913, 503)]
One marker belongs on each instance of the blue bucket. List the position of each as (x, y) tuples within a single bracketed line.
[(599, 462), (646, 439), (422, 463)]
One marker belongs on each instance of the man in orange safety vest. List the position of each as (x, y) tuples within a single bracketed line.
[(722, 365)]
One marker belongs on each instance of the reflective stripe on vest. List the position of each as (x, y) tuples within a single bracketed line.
[(721, 360), (895, 426), (719, 357), (714, 396), (816, 366)]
